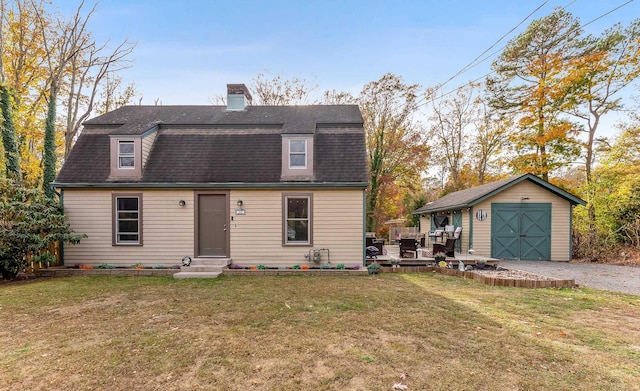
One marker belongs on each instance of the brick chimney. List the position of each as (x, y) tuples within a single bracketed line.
[(238, 97)]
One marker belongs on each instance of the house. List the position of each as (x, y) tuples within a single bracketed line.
[(521, 217), (271, 185)]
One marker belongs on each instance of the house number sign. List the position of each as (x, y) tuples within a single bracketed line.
[(481, 215)]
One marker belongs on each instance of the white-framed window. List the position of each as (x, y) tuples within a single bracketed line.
[(297, 153), (127, 219), (126, 154), (297, 219)]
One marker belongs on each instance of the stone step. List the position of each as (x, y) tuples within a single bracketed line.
[(221, 262), (196, 274)]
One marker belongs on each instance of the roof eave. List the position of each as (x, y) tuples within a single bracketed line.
[(540, 182), (226, 185), (441, 209)]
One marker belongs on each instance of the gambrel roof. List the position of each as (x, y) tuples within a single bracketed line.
[(469, 197), (209, 145)]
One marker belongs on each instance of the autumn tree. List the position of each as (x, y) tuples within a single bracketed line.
[(45, 54), (489, 142), (533, 83), (451, 121), (611, 64), (24, 73), (61, 48), (397, 153), (467, 138)]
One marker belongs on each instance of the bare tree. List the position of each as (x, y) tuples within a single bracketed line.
[(114, 95), (88, 69), (279, 91)]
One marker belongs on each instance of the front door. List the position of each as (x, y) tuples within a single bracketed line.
[(212, 233), (521, 231)]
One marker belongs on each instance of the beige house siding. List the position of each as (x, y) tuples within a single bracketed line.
[(255, 238), (560, 218), (147, 144), (167, 228)]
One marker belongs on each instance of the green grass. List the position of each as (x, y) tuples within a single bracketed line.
[(314, 333)]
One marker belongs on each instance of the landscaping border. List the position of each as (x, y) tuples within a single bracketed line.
[(293, 272), (67, 272), (483, 278)]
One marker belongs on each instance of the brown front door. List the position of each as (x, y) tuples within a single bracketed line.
[(212, 225)]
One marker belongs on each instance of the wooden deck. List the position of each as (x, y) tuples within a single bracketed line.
[(393, 252)]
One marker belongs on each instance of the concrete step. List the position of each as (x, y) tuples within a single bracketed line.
[(204, 268), (196, 274), (221, 262)]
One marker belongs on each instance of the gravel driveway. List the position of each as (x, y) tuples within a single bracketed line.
[(625, 279)]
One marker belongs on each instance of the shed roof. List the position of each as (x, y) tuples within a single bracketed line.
[(469, 197)]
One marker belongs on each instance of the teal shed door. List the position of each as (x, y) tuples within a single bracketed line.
[(521, 231), (457, 222)]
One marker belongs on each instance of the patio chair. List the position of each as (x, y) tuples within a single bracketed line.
[(449, 247), (408, 247), (377, 243)]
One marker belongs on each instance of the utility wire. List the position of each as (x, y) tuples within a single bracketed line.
[(471, 64), (475, 61), (418, 105)]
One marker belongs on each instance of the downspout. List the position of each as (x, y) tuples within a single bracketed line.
[(470, 241), (364, 227), (61, 202), (571, 207)]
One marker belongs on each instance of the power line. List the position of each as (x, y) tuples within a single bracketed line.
[(418, 105), (475, 61), (471, 64)]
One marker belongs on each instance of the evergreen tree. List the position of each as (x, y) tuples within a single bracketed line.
[(11, 153)]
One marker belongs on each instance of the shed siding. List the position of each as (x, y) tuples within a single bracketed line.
[(256, 237), (425, 227), (560, 218)]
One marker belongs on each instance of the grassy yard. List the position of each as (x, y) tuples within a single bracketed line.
[(310, 333)]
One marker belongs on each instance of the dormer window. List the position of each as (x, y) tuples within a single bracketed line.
[(298, 154), (126, 157), (297, 157), (126, 154)]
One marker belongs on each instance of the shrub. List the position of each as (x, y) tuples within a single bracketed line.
[(106, 266), (29, 223)]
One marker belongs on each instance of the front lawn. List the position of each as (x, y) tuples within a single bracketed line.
[(425, 331)]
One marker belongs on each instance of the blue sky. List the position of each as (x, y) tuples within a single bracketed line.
[(187, 51)]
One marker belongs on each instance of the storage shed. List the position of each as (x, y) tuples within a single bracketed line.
[(518, 218)]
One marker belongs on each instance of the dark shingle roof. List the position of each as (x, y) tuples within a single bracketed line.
[(129, 120), (469, 197), (208, 144)]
